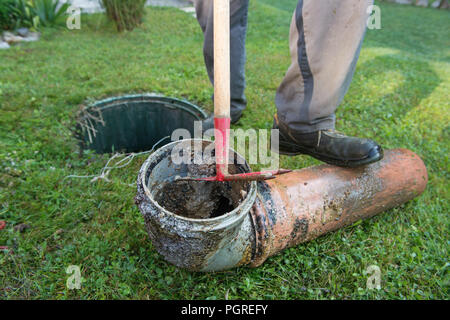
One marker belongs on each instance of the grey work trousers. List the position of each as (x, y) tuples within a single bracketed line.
[(325, 40)]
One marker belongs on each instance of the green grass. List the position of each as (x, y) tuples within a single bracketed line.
[(399, 96)]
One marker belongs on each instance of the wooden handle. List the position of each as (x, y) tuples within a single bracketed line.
[(222, 58)]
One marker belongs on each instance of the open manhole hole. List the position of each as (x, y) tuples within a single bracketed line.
[(134, 123)]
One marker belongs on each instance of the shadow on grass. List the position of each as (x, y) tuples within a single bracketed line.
[(417, 80)]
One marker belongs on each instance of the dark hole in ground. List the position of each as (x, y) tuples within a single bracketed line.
[(134, 123)]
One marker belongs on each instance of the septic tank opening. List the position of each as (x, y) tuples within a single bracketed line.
[(134, 123)]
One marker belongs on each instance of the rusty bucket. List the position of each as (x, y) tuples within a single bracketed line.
[(268, 216)]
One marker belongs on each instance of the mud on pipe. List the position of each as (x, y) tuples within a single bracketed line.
[(270, 216)]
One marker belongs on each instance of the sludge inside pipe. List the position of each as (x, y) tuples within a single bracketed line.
[(277, 214)]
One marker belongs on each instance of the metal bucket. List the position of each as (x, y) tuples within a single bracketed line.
[(134, 123)]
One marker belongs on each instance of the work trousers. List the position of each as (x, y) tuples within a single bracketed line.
[(325, 40)]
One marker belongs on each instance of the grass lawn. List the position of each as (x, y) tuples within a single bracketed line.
[(399, 96)]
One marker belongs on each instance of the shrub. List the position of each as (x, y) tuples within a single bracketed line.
[(126, 14), (49, 11), (17, 13), (7, 14), (30, 13)]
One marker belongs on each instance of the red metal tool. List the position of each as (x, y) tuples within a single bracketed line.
[(222, 101)]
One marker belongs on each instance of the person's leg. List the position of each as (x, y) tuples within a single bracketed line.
[(325, 41), (238, 29)]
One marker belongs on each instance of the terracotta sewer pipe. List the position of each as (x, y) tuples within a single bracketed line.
[(276, 214), (311, 202)]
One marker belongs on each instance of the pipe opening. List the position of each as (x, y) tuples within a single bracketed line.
[(197, 199), (200, 200)]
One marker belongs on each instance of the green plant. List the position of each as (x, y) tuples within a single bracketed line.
[(126, 14), (49, 11), (17, 13), (26, 16), (7, 16)]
